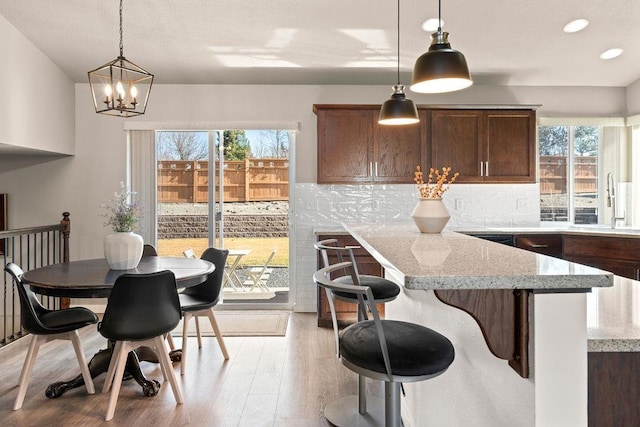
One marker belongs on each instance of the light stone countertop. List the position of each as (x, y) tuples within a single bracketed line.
[(613, 317), (452, 260)]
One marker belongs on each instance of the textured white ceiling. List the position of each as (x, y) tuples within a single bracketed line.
[(511, 42)]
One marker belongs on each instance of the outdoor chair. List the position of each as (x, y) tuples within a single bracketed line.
[(189, 253), (258, 276), (141, 310), (47, 325), (386, 350), (198, 301)]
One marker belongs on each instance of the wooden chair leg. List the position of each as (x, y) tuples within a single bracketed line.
[(198, 331), (121, 361), (216, 329), (172, 345), (82, 361), (113, 363), (167, 369), (185, 325), (25, 375)]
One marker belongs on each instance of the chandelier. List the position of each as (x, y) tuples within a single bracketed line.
[(120, 87)]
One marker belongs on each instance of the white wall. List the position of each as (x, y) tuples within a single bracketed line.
[(633, 98), (37, 108)]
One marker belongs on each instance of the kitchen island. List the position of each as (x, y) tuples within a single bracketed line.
[(480, 389)]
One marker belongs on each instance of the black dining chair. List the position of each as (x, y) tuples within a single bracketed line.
[(198, 301), (141, 310), (149, 250), (47, 325), (387, 350)]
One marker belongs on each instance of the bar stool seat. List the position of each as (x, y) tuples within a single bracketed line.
[(383, 290)]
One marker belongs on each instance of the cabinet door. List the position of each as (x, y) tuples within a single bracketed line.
[(510, 146), (344, 141), (456, 141), (397, 150)]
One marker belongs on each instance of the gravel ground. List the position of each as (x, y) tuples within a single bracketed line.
[(279, 277), (274, 207)]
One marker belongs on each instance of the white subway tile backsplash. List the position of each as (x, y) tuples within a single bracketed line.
[(471, 206)]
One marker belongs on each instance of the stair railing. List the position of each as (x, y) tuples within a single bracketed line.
[(30, 248)]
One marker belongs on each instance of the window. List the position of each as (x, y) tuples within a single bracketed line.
[(578, 164), (569, 173)]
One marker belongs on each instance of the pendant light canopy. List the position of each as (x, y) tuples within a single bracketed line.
[(441, 68), (120, 87), (398, 110)]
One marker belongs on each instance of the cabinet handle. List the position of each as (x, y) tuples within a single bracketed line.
[(370, 168), (486, 168), (539, 246), (481, 169), (376, 168)]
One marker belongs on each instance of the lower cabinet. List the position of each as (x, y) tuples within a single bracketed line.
[(613, 401), (619, 255), (346, 312)]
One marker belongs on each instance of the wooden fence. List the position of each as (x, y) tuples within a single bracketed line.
[(244, 181), (554, 170)]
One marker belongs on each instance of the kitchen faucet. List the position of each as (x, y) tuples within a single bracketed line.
[(611, 199)]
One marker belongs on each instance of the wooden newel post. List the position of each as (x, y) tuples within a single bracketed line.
[(66, 230)]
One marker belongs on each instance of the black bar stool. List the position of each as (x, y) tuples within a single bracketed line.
[(383, 290), (386, 350)]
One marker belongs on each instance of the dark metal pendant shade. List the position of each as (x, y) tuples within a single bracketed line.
[(398, 110), (441, 68)]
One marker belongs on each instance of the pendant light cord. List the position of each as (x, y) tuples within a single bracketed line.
[(398, 42), (439, 16), (121, 45)]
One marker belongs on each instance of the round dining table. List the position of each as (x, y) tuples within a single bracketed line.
[(94, 279)]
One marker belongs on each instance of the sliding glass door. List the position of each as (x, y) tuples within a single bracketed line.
[(228, 189)]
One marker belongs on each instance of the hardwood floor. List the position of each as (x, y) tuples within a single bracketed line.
[(268, 381)]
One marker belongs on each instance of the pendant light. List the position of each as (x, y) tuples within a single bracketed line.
[(441, 68), (398, 110), (120, 87)]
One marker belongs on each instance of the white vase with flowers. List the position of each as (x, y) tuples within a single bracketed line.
[(430, 214), (123, 248)]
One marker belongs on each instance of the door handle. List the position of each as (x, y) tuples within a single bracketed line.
[(370, 168), (486, 168), (481, 169), (539, 246), (376, 168)]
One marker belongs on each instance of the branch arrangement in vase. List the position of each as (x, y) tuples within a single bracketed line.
[(437, 182), (122, 215)]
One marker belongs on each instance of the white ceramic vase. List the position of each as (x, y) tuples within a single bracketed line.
[(123, 250), (430, 215)]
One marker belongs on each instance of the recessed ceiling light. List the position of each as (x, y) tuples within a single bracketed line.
[(611, 53), (575, 26), (431, 25)]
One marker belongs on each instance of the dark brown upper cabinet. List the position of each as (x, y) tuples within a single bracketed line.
[(482, 145), (353, 147), (485, 145)]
